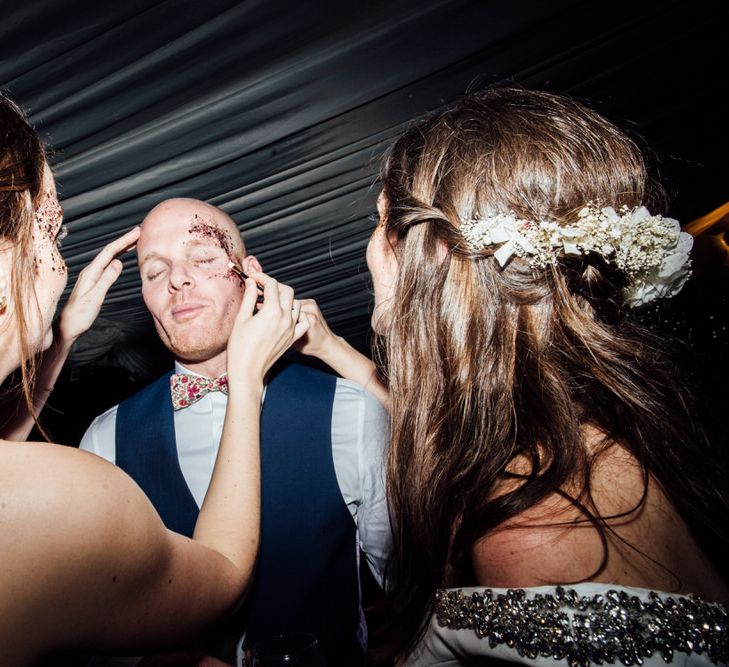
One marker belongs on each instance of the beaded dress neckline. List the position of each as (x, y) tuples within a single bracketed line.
[(589, 623)]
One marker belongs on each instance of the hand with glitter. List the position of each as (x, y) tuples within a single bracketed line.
[(93, 283)]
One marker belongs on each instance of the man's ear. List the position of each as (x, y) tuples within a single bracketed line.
[(250, 264)]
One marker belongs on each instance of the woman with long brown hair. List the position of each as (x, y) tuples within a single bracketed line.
[(539, 440), (86, 561)]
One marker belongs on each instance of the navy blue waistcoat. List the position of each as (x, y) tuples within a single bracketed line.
[(306, 578)]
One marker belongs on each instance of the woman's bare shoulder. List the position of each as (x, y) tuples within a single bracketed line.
[(546, 543), (555, 541), (70, 523), (75, 499), (46, 478), (88, 559)]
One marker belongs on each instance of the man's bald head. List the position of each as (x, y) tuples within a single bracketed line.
[(184, 253), (193, 217)]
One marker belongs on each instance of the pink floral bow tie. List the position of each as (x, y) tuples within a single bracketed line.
[(188, 389)]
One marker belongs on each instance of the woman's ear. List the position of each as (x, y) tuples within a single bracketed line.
[(251, 264)]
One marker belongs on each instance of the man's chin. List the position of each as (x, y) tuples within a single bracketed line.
[(194, 353)]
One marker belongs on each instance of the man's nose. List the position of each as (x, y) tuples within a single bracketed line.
[(180, 277)]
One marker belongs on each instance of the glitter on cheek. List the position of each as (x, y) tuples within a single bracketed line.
[(39, 249), (49, 218), (58, 261), (62, 268), (229, 275)]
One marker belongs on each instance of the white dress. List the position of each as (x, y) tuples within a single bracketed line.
[(583, 624)]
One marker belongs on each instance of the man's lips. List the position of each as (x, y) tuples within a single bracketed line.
[(186, 310)]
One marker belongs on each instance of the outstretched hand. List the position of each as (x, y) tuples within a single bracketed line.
[(76, 318), (261, 334), (90, 290), (321, 342), (319, 338)]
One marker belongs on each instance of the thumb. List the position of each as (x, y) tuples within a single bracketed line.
[(302, 326), (250, 296)]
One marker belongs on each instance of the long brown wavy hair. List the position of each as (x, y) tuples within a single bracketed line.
[(22, 164), (488, 364)]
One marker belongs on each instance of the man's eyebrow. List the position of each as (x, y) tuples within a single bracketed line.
[(207, 242), (192, 243), (149, 256)]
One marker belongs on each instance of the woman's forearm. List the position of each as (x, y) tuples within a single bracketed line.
[(353, 365), (229, 519)]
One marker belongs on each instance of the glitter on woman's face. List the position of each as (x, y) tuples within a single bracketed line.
[(49, 218), (49, 215)]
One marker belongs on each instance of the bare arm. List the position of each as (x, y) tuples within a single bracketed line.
[(254, 345), (89, 564), (76, 318), (89, 560), (338, 354)]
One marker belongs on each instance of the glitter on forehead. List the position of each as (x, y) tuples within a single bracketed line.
[(208, 230)]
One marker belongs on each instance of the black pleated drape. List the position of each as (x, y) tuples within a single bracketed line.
[(278, 112)]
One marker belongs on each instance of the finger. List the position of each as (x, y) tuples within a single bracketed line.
[(308, 305), (271, 297), (296, 310), (118, 246), (302, 326), (129, 240), (248, 305), (286, 297), (108, 253), (106, 280), (303, 315)]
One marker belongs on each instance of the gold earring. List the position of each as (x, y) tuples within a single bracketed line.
[(3, 304)]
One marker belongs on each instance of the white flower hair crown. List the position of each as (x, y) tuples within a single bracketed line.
[(650, 249)]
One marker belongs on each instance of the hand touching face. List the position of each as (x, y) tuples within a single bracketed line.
[(193, 296)]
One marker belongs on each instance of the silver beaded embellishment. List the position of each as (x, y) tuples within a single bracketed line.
[(602, 628)]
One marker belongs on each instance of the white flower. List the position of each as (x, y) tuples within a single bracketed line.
[(651, 250)]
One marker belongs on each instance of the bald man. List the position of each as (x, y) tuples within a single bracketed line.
[(322, 441)]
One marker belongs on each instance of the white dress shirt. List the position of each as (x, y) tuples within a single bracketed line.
[(360, 432)]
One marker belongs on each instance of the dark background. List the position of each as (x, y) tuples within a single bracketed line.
[(278, 112)]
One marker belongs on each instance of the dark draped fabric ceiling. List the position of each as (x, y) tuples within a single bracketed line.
[(278, 111)]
